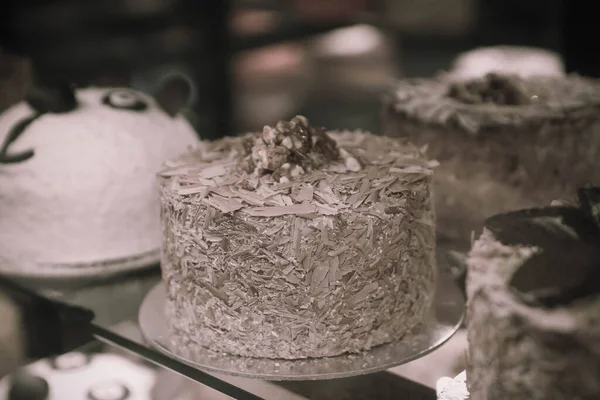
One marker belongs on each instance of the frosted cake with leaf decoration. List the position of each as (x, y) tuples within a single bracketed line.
[(533, 288)]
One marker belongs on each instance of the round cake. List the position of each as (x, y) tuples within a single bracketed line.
[(525, 62), (295, 242), (533, 307), (503, 142), (77, 176)]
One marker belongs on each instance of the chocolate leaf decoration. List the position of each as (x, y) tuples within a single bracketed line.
[(567, 265), (558, 276), (542, 227), (589, 201), (54, 97)]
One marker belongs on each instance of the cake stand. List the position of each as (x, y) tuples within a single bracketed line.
[(63, 275), (445, 319)]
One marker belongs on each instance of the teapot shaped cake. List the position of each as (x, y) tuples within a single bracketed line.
[(77, 175)]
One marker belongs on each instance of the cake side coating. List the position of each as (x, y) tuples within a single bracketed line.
[(335, 260), (521, 352), (495, 158)]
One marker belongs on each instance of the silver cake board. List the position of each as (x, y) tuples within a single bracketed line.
[(445, 319)]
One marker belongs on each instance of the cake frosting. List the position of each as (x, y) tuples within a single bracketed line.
[(295, 242), (525, 62), (533, 289), (453, 389), (77, 175), (503, 142)]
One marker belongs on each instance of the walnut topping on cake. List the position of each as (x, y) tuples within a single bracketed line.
[(290, 149), (493, 88)]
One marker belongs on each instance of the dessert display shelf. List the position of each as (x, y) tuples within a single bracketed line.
[(445, 318), (115, 304)]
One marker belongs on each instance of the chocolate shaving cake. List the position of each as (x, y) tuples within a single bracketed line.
[(503, 142), (295, 242), (533, 311)]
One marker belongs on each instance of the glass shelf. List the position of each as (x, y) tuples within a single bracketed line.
[(115, 305)]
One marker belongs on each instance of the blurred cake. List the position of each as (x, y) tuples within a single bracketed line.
[(525, 62), (77, 176), (453, 389), (503, 142), (533, 306), (296, 242)]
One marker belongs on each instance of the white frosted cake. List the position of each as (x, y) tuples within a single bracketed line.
[(533, 308), (295, 242), (525, 62), (77, 176)]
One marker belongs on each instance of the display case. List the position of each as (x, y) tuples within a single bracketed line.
[(62, 319), (109, 312)]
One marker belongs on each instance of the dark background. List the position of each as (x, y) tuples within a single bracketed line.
[(105, 42)]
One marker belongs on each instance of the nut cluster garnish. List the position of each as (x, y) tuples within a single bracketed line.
[(291, 149), (493, 88)]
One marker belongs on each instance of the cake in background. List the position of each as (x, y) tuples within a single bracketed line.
[(272, 83), (525, 62), (453, 388), (359, 58), (77, 175), (295, 242), (533, 289), (503, 142)]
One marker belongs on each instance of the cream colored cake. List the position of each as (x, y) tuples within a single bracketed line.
[(533, 304), (296, 242), (503, 142), (78, 186), (525, 62)]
